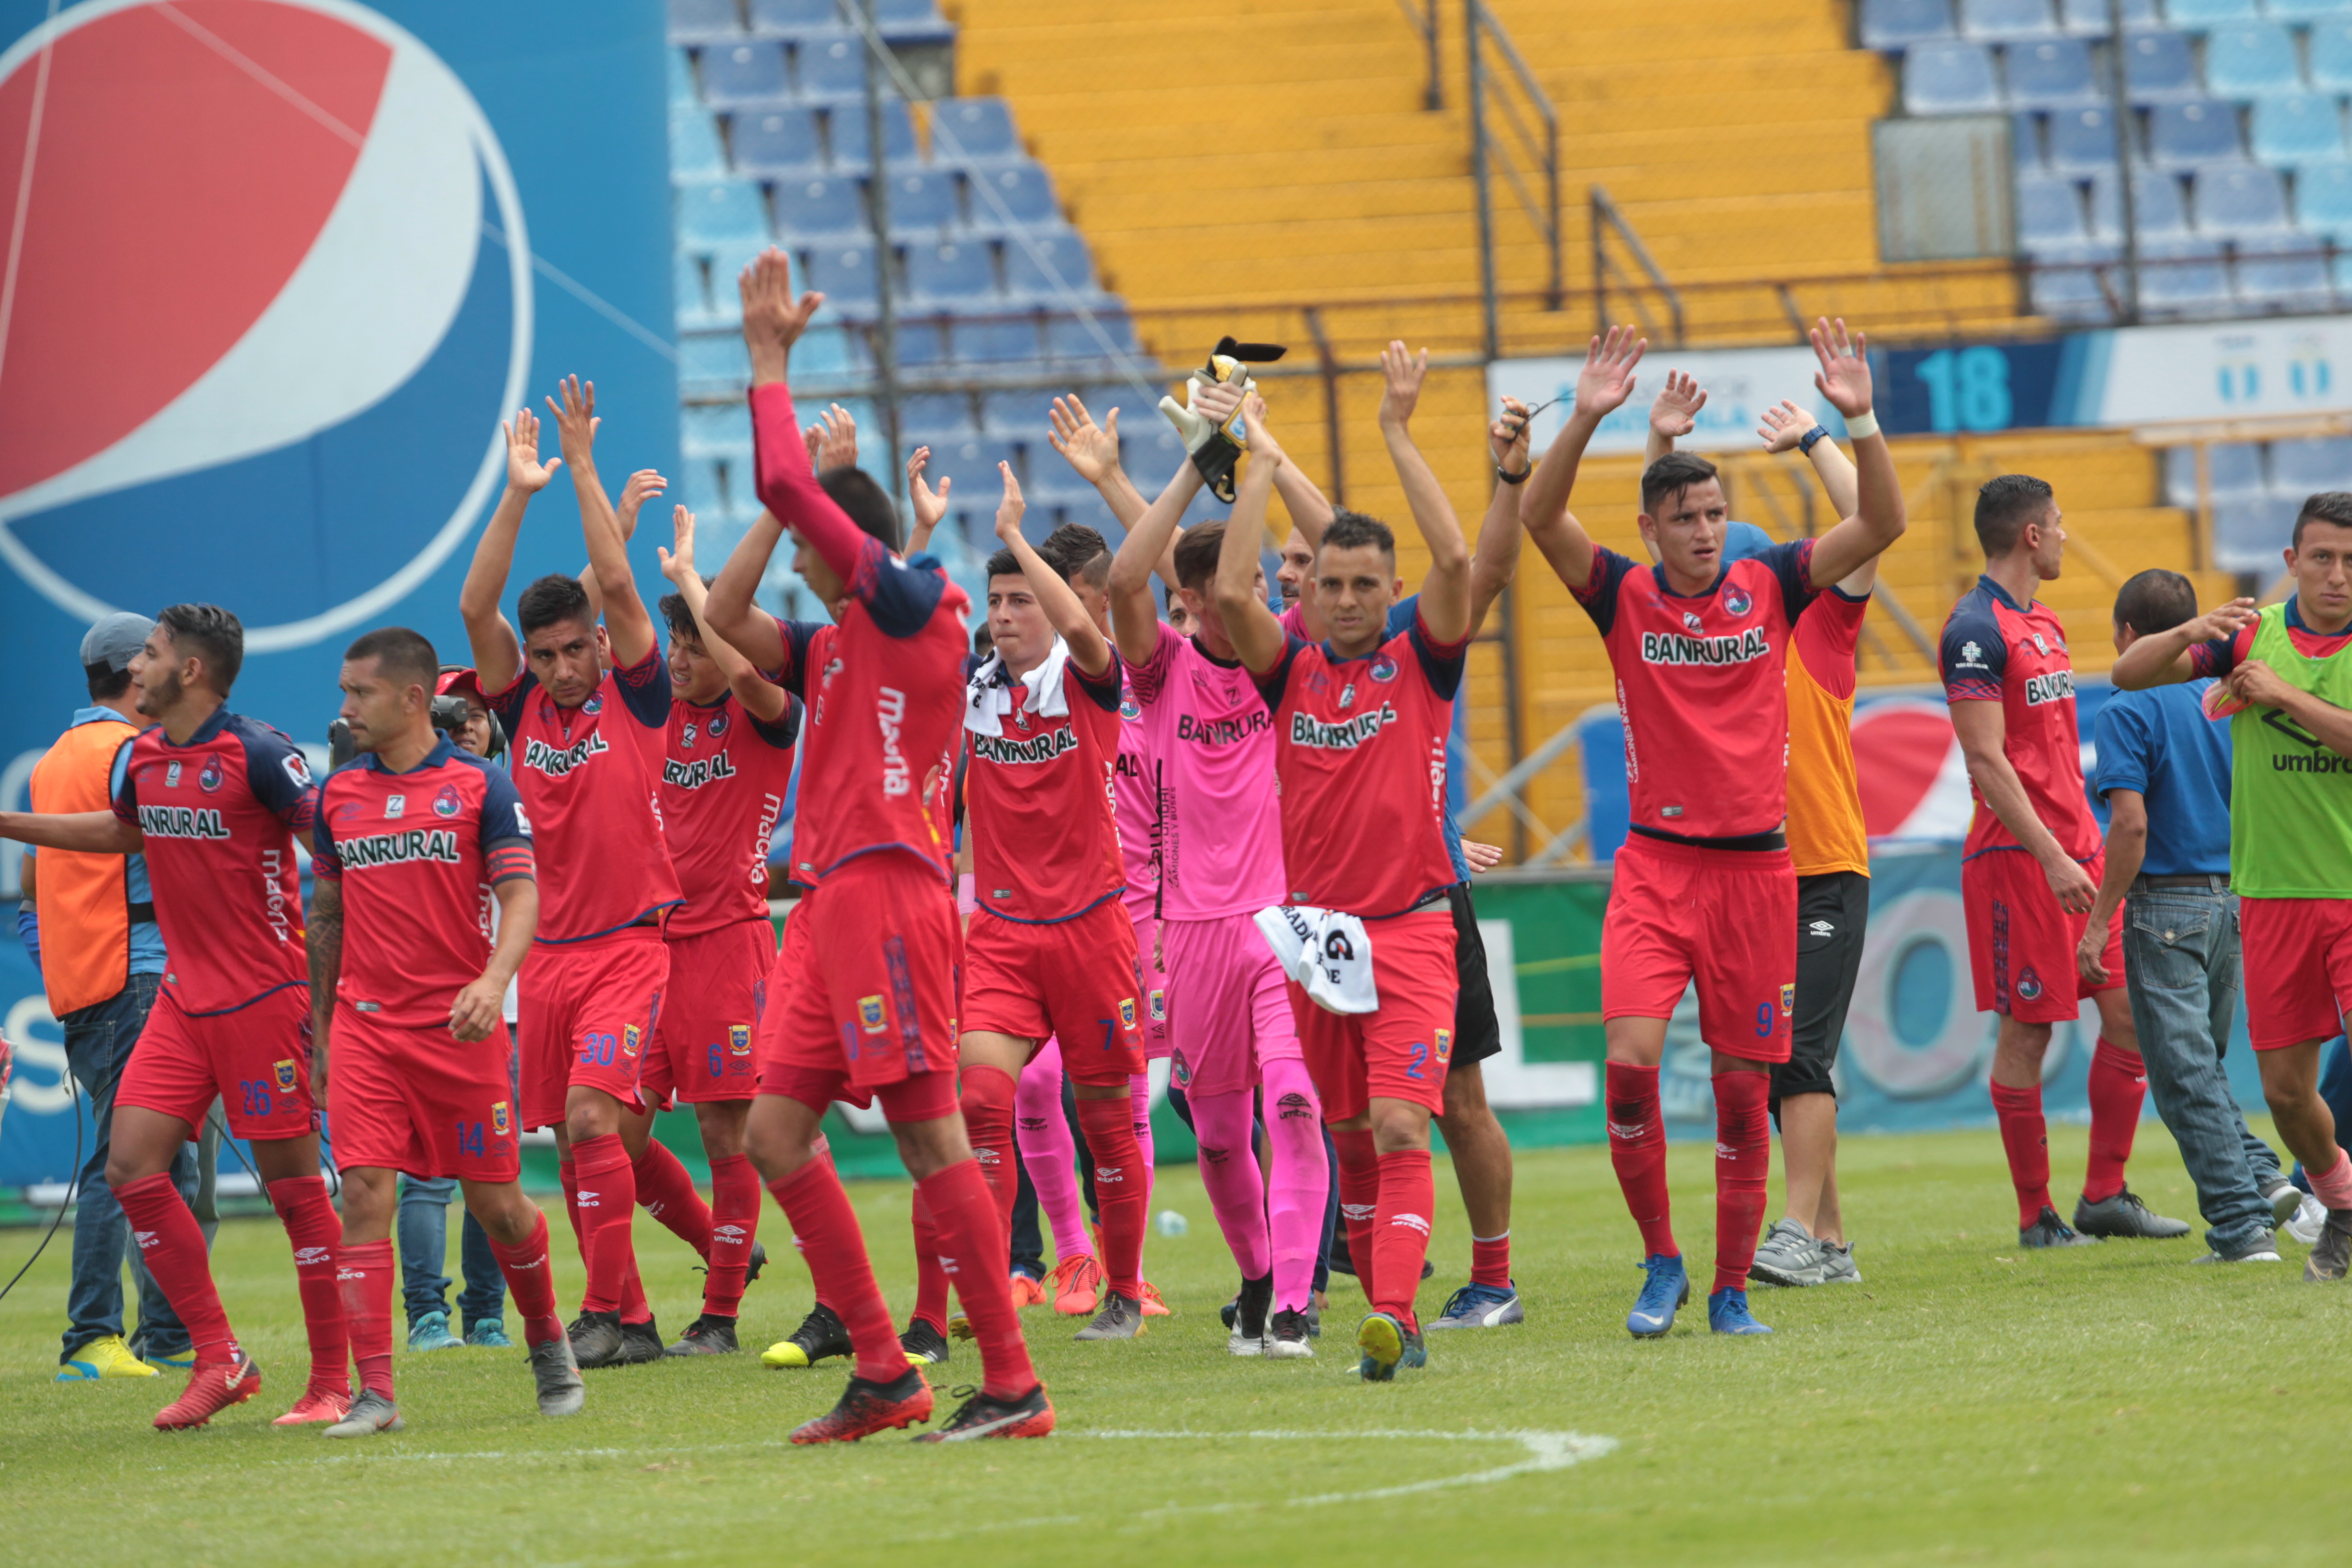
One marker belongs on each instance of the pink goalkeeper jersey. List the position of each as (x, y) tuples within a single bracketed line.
[(1135, 799), (1210, 742)]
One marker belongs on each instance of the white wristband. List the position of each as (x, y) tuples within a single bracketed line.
[(1860, 426)]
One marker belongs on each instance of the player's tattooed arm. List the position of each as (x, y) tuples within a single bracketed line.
[(1494, 557), (762, 701), (1983, 729), (1602, 386), (1445, 590), (1878, 519), (97, 832), (1089, 649), (1674, 415), (1257, 636), (631, 629), (497, 653), (481, 1004), (323, 936), (930, 505), (2164, 659), (1092, 452)]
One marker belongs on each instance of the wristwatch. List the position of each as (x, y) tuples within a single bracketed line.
[(1805, 442), (1510, 477)]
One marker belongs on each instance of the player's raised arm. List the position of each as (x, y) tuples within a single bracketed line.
[(1601, 388), (497, 652), (1089, 649), (762, 699), (930, 505), (1674, 415), (1257, 636), (1149, 546), (729, 608), (631, 629), (773, 320), (2167, 658), (1877, 519), (1786, 427), (1495, 556), (1092, 452), (1445, 591)]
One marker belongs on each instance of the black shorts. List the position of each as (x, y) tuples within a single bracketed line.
[(1476, 1033), (1833, 912)]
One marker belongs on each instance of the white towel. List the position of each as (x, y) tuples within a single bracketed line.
[(1326, 950), (988, 696)]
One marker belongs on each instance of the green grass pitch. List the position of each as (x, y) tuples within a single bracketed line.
[(1967, 1403)]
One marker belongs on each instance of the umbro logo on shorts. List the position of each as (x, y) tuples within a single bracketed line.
[(1822, 927)]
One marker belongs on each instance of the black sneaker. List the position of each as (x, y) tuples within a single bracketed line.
[(1121, 1319), (1250, 1308), (2125, 1216), (640, 1342), (2049, 1230), (2331, 1255), (984, 1416), (759, 1261), (1231, 1311), (923, 1343), (596, 1338), (820, 1335), (1292, 1339), (707, 1335)]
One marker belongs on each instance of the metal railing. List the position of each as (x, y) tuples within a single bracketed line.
[(1531, 151), (1424, 20), (1608, 220)]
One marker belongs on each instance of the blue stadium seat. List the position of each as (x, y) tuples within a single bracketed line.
[(982, 128), (2307, 10), (1949, 79), (2156, 204), (1895, 24), (701, 489), (2183, 135), (2081, 141), (1994, 20), (716, 430), (1020, 415), (996, 340), (2049, 209), (2310, 463), (953, 274), (1019, 193), (2247, 62), (1147, 443), (789, 18), (819, 205), (832, 65), (919, 342), (2294, 129), (715, 212), (2249, 534), (2088, 18), (2159, 68), (2051, 73), (1048, 266), (695, 20), (2200, 13), (2284, 271), (714, 360), (890, 13), (747, 72), (2066, 279), (683, 92), (2239, 198), (691, 292), (939, 412), (850, 148), (2323, 199), (969, 460), (2331, 55), (2184, 274), (2025, 141), (694, 151), (1090, 511), (845, 274), (777, 138), (2234, 473), (1066, 337), (923, 200)]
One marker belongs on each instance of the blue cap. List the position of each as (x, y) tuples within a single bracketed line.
[(1742, 541), (115, 641)]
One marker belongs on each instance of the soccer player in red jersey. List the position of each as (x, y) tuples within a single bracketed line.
[(866, 995), (587, 760), (726, 770), (1703, 889), (1359, 726), (2030, 867), (413, 841), (214, 799)]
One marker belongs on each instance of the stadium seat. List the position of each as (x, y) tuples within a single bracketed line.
[(843, 273), (2310, 463), (779, 139), (690, 293), (2249, 534), (969, 459), (2025, 141), (1047, 266), (694, 151), (1088, 510), (2247, 62), (982, 128), (923, 200), (789, 18), (1991, 21), (2285, 272), (2088, 18), (1897, 24), (919, 342), (890, 13), (2297, 128), (953, 274), (819, 205), (713, 359), (2235, 472), (715, 212), (2200, 13), (2183, 135), (1009, 194), (701, 489), (1949, 79), (2081, 141), (747, 72), (1146, 445), (996, 340), (850, 148), (2323, 199), (695, 20), (2067, 280), (1019, 415), (2051, 73), (947, 413), (717, 429), (2239, 198), (2306, 10), (1068, 338), (2156, 204), (2159, 68), (2049, 209), (832, 65), (2184, 274), (2331, 55), (683, 92)]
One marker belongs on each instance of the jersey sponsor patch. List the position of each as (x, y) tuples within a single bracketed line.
[(1159, 1005), (2056, 686), (1041, 748), (172, 776), (537, 753), (182, 821), (395, 807), (698, 772), (296, 769), (437, 844), (1305, 730), (1733, 647)]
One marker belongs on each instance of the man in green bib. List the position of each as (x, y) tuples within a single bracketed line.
[(2286, 683)]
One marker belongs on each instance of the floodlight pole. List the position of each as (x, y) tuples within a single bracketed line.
[(878, 196), (2120, 93)]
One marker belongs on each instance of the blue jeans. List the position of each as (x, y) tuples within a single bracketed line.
[(2181, 959), (425, 1252), (97, 1046)]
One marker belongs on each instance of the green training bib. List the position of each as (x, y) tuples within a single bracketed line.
[(2291, 798)]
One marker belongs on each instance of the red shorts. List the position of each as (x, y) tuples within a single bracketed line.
[(865, 989), (254, 1060), (1724, 918), (1074, 980), (421, 1101), (2022, 943), (588, 1014), (2298, 969), (1398, 1051), (1156, 1042), (718, 989)]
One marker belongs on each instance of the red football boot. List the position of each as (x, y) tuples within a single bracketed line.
[(212, 1387)]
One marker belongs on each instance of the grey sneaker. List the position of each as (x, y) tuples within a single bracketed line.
[(2259, 1247), (2285, 1199), (2332, 1252), (369, 1414), (596, 1339), (2125, 1216), (1837, 1263), (1288, 1340), (2310, 1216), (1790, 1256), (560, 1392), (1121, 1319), (2049, 1230)]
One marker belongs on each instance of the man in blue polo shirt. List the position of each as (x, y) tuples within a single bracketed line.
[(2164, 770)]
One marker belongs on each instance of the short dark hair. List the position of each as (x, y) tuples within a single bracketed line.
[(1671, 475), (1354, 530), (2156, 601), (855, 491), (2328, 506), (679, 618), (105, 682), (401, 654), (1078, 553), (213, 634), (1196, 556), (1004, 564), (554, 598), (2004, 506)]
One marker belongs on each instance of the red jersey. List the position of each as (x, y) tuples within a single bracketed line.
[(417, 855), (1702, 688), (1995, 651), (1360, 764), (219, 816), (1038, 792), (589, 779), (724, 779)]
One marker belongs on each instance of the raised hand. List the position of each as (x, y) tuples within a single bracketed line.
[(642, 486), (930, 505), (1782, 426), (1607, 379), (1508, 437), (525, 472), (1090, 449), (837, 439), (1402, 373), (1009, 510), (1217, 401), (1262, 445), (678, 561), (2223, 620), (1676, 413), (1844, 376), (575, 417), (774, 316)]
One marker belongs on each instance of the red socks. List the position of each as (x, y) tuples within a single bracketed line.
[(605, 1192), (1490, 1260), (2118, 1085), (1400, 1235), (930, 1279), (1359, 1200), (1743, 1160), (2026, 1138), (734, 1216), (667, 1193), (966, 1224), (172, 1245), (1637, 1149), (530, 1280), (1122, 1191), (988, 1121), (312, 1225), (364, 1278), (826, 1230)]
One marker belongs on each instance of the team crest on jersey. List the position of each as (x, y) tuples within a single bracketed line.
[(1129, 709), (717, 727), (1384, 668), (209, 780), (1159, 1005), (1127, 1012), (285, 1070), (1444, 1045), (1788, 999), (739, 1039), (685, 736), (629, 1037), (172, 776), (593, 705), (1735, 599), (447, 803), (296, 769), (2029, 984), (501, 1120), (869, 1013)]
